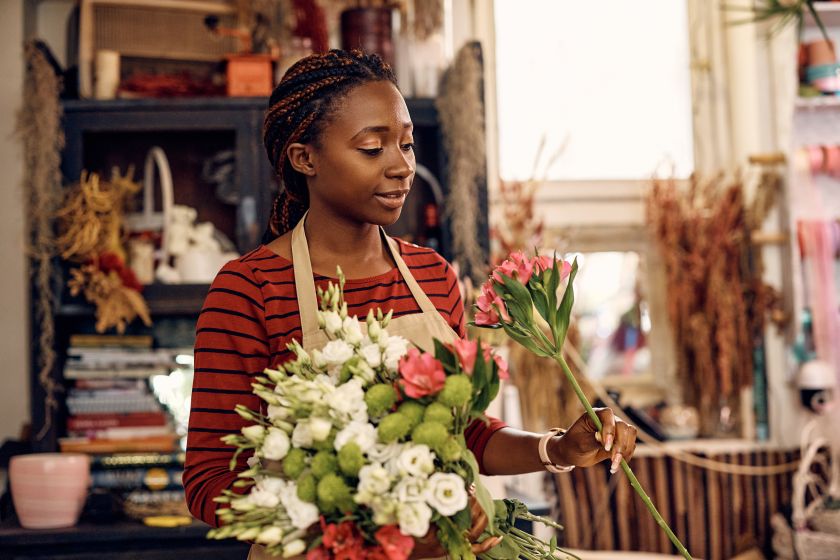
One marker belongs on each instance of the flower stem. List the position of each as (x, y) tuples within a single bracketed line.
[(634, 482)]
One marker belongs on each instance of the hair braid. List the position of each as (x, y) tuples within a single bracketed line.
[(298, 109)]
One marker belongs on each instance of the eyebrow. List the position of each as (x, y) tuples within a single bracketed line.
[(380, 129)]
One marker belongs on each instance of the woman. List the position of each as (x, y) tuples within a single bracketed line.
[(339, 136)]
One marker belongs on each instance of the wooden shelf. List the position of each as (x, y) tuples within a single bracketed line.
[(829, 14), (163, 299), (824, 102)]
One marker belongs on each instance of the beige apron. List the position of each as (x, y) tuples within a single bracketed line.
[(420, 328)]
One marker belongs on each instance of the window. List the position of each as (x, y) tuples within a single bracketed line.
[(609, 79)]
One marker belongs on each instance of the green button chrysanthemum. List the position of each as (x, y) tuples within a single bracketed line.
[(324, 463), (413, 411), (380, 398), (393, 427), (334, 494), (294, 462), (432, 434), (307, 485), (436, 412), (350, 459), (456, 391)]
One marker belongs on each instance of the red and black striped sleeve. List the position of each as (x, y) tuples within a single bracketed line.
[(231, 347)]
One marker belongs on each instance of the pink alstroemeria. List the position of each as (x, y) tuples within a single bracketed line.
[(489, 306), (516, 266), (501, 364), (422, 374), (466, 351), (544, 262)]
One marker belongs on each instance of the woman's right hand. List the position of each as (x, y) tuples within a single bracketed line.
[(429, 546)]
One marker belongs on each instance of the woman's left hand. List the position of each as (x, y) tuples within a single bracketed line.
[(583, 445)]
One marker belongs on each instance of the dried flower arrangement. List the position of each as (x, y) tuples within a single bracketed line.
[(717, 303), (90, 226)]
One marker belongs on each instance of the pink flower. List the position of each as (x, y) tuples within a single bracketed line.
[(466, 351), (422, 374), (319, 553), (487, 314), (516, 266), (396, 545), (543, 263), (502, 365)]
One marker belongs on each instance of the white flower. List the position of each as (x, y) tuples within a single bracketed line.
[(270, 535), (411, 489), (332, 322), (347, 402), (374, 330), (373, 481), (414, 518), (416, 460), (372, 354), (319, 428), (446, 493), (276, 444), (364, 372), (384, 510), (271, 484), (294, 548), (361, 433), (318, 360), (396, 348), (352, 330), (302, 435), (336, 352), (278, 412), (254, 433), (264, 498), (302, 514), (382, 453)]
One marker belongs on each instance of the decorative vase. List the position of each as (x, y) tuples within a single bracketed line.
[(49, 489), (368, 29)]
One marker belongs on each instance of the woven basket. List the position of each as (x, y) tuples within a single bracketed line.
[(148, 219), (812, 544), (826, 521)]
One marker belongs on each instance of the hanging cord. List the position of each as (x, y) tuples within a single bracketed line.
[(680, 455)]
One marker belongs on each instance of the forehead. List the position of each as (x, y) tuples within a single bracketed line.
[(371, 104)]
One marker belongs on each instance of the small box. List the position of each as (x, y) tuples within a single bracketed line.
[(250, 75)]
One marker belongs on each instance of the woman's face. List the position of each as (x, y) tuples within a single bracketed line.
[(363, 165)]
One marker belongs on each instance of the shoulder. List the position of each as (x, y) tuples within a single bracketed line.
[(420, 259)]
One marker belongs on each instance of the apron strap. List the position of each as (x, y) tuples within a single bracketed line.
[(305, 283)]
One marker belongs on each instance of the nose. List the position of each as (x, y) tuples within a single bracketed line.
[(401, 166)]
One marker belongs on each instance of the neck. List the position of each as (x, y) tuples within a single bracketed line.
[(335, 239)]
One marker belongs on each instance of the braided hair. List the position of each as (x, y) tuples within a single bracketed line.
[(299, 107)]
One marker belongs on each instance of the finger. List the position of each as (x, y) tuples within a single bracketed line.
[(607, 427), (478, 548), (479, 523), (628, 447)]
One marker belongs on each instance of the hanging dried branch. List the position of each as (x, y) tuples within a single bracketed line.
[(42, 139), (461, 112)]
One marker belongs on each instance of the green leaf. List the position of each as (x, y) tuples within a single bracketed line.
[(479, 375), (462, 519), (541, 300), (446, 356), (483, 496), (505, 550), (564, 312)]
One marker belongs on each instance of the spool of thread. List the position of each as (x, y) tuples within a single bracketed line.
[(107, 74)]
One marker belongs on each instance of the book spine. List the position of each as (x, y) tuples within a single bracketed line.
[(150, 478), (115, 420), (128, 460)]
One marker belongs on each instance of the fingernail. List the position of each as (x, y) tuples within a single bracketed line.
[(616, 462), (609, 442)]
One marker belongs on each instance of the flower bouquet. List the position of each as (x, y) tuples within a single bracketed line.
[(518, 287), (361, 449)]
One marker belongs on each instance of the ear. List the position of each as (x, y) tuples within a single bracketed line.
[(300, 157)]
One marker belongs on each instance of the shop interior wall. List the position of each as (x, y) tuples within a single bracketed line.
[(14, 329)]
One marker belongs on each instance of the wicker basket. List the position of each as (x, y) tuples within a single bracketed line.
[(826, 521), (151, 29), (812, 544)]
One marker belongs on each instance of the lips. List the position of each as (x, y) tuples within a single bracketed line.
[(392, 199)]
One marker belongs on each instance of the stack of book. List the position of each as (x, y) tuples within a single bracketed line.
[(111, 408)]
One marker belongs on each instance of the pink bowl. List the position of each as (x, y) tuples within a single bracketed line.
[(49, 489)]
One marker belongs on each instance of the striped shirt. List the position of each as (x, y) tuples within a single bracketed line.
[(249, 316)]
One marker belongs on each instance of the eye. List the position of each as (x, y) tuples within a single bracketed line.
[(371, 151), (408, 147)]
